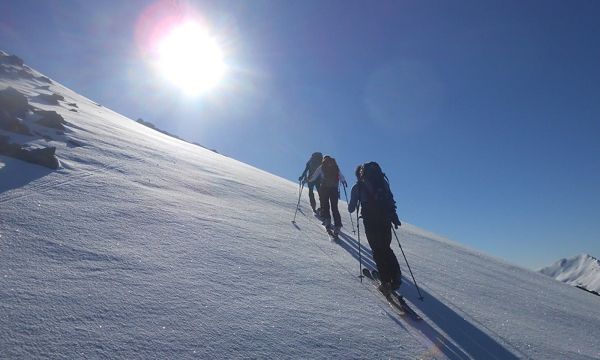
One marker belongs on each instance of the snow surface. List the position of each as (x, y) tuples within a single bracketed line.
[(143, 246), (581, 270)]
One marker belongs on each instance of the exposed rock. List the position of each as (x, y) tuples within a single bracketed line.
[(23, 73), (11, 60), (44, 79), (11, 123), (73, 105), (51, 119), (12, 67), (13, 102), (50, 98), (7, 72), (42, 156)]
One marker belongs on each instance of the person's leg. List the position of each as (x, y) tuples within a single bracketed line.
[(311, 196), (373, 237), (324, 195), (321, 201), (391, 261), (337, 219)]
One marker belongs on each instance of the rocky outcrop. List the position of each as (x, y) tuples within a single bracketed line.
[(13, 107), (44, 79), (52, 99), (11, 60), (12, 67), (44, 156), (51, 119), (13, 124), (13, 102)]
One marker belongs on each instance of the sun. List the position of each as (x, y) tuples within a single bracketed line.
[(191, 59)]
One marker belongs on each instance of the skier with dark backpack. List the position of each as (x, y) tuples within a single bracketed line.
[(330, 176), (311, 166), (372, 194)]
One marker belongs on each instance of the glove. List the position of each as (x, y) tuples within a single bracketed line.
[(396, 221)]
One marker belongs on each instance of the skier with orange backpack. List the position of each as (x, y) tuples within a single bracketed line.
[(330, 176)]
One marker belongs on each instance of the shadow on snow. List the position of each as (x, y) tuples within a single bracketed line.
[(16, 173), (473, 342)]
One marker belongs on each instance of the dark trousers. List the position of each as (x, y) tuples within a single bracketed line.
[(329, 195), (379, 235), (311, 194)]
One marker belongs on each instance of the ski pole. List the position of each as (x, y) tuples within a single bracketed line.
[(352, 222), (411, 273), (301, 187), (360, 274)]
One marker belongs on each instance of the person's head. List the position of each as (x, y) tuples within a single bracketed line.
[(317, 155), (358, 171), (371, 170), (372, 166)]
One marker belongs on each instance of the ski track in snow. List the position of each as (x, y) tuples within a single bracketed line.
[(143, 246)]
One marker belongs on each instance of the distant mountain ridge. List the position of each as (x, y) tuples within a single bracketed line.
[(582, 271)]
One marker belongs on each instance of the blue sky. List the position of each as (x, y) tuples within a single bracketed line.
[(485, 115)]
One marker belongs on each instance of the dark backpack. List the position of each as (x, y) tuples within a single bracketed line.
[(380, 202), (331, 172)]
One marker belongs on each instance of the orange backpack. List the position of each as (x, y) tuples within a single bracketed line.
[(331, 172)]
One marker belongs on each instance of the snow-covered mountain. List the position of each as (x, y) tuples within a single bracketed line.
[(142, 246), (581, 270)]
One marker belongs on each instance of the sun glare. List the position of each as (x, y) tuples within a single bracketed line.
[(190, 58)]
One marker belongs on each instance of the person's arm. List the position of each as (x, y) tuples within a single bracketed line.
[(392, 206), (316, 175), (303, 173), (354, 197)]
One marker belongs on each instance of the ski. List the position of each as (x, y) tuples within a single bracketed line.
[(395, 300)]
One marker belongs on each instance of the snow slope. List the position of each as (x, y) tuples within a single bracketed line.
[(581, 270), (143, 246)]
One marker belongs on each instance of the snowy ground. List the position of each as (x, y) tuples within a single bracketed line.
[(144, 246)]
